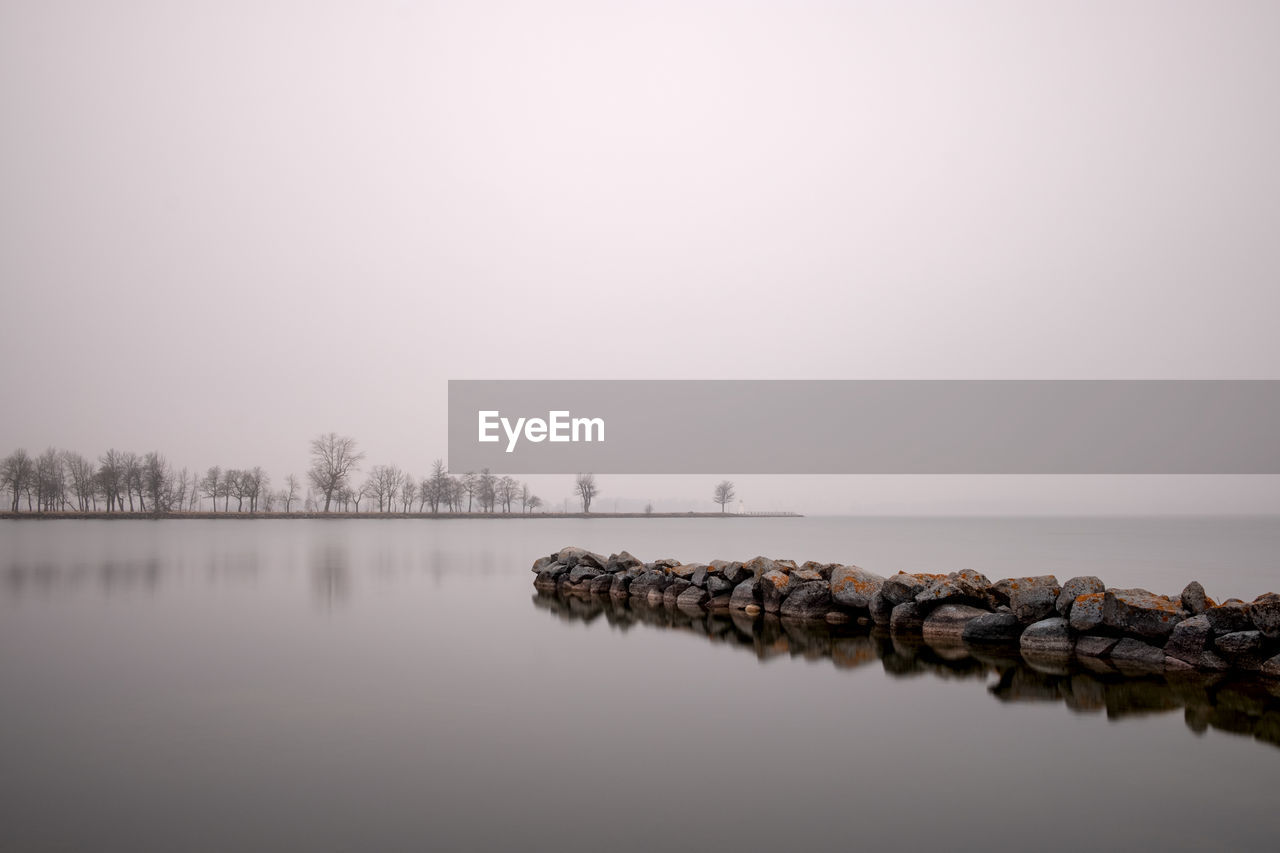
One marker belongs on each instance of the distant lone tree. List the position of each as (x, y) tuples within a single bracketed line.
[(333, 458), (587, 489), (724, 493)]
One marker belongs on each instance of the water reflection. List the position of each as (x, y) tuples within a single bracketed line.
[(1231, 704), (331, 574)]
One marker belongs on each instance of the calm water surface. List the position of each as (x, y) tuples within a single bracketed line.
[(397, 685)]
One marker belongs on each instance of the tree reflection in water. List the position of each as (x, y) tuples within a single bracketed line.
[(1232, 704)]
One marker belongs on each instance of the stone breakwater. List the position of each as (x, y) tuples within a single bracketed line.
[(1132, 629)]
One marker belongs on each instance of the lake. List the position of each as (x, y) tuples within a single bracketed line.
[(399, 685)]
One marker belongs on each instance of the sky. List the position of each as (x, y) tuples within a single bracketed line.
[(226, 227)]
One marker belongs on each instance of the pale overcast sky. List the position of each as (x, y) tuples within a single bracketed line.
[(228, 226)]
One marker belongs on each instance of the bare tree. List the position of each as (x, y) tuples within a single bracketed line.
[(469, 482), (508, 492), (437, 489), (333, 458), (586, 488), (50, 481), (724, 493), (157, 482), (111, 478), (211, 485), (15, 475), (408, 493), (290, 493), (533, 503), (83, 480)]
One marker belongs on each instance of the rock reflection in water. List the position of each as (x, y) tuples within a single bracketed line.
[(1227, 703)]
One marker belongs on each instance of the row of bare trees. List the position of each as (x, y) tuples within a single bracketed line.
[(61, 481)]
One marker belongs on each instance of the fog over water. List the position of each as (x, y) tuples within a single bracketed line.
[(227, 227)]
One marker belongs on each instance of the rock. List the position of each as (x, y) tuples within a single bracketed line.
[(718, 584), (823, 569), (622, 561), (1189, 639), (774, 586), (1193, 599), (759, 565), (1272, 667), (1213, 661), (544, 581), (1090, 646), (881, 608), (948, 621), (650, 579), (734, 573), (1073, 589), (906, 619), (719, 603), (1141, 613), (663, 563), (541, 564), (572, 556), (785, 565), (853, 587), (1086, 611), (1031, 599), (809, 600), (703, 574), (1239, 643), (1264, 612), (956, 587), (601, 584), (584, 572), (674, 591), (752, 610), (1047, 637), (692, 598), (901, 588), (806, 576), (1229, 617), (992, 628), (621, 586), (837, 617), (744, 594), (1139, 654), (685, 570)]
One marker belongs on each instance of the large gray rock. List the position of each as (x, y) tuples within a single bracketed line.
[(906, 619), (1073, 589), (1141, 613), (1239, 643), (992, 628), (745, 593), (774, 587), (692, 598), (759, 565), (674, 591), (1229, 617), (809, 600), (545, 582), (1272, 667), (957, 587), (622, 561), (718, 584), (1264, 612), (601, 584), (1087, 611), (1189, 639), (806, 575), (1031, 598), (881, 608), (902, 587), (735, 573), (584, 572), (1137, 654), (1193, 599), (685, 570), (573, 556), (947, 623), (541, 564), (648, 580), (620, 587), (1047, 637), (1092, 646), (853, 587)]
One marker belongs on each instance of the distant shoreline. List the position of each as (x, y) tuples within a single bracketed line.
[(333, 516)]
